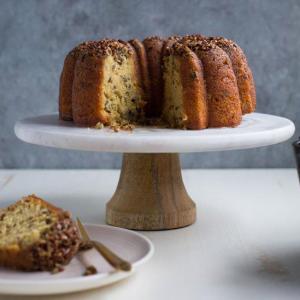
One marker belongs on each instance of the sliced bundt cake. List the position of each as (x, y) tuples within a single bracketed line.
[(191, 82), (35, 235)]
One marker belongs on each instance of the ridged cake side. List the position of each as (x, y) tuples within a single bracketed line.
[(66, 81), (154, 46), (224, 108), (242, 72), (185, 103), (142, 63)]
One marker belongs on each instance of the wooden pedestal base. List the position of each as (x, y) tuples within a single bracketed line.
[(150, 194)]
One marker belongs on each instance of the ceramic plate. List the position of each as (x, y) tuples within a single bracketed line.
[(128, 244)]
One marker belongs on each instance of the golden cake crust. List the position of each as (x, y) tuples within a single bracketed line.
[(88, 105), (154, 46), (193, 86), (224, 107), (87, 94), (66, 82), (143, 66), (242, 72), (65, 90), (192, 38), (55, 247), (169, 42), (194, 92)]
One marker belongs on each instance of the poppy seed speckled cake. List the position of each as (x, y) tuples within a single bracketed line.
[(35, 235), (190, 82)]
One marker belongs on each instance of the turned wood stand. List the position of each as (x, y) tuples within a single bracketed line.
[(150, 194)]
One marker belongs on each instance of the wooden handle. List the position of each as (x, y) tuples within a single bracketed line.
[(112, 258)]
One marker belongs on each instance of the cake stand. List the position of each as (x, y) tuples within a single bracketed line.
[(150, 194)]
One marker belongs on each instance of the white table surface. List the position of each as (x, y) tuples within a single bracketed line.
[(244, 245)]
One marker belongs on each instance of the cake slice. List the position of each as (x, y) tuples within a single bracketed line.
[(107, 86), (35, 235)]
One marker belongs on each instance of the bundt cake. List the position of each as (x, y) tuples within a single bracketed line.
[(191, 82), (34, 235)]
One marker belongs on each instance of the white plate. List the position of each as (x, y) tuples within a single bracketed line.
[(128, 244), (256, 130)]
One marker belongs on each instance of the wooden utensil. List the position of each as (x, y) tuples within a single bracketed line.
[(112, 258)]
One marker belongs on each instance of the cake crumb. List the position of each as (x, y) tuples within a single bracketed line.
[(128, 127), (57, 269), (99, 125), (116, 127), (85, 246), (90, 270)]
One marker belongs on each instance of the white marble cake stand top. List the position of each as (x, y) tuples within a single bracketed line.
[(256, 130)]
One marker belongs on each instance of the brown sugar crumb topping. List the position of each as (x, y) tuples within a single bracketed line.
[(153, 38), (105, 47), (187, 43), (192, 37), (200, 45), (174, 38), (78, 49), (56, 246), (222, 42), (178, 49)]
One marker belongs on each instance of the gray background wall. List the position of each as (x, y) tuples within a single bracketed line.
[(36, 35)]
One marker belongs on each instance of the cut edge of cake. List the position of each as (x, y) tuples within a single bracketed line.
[(35, 235)]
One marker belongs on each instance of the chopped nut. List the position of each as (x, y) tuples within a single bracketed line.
[(57, 269), (99, 125), (90, 270)]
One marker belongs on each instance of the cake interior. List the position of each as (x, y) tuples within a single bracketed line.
[(23, 224), (173, 111), (122, 93)]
